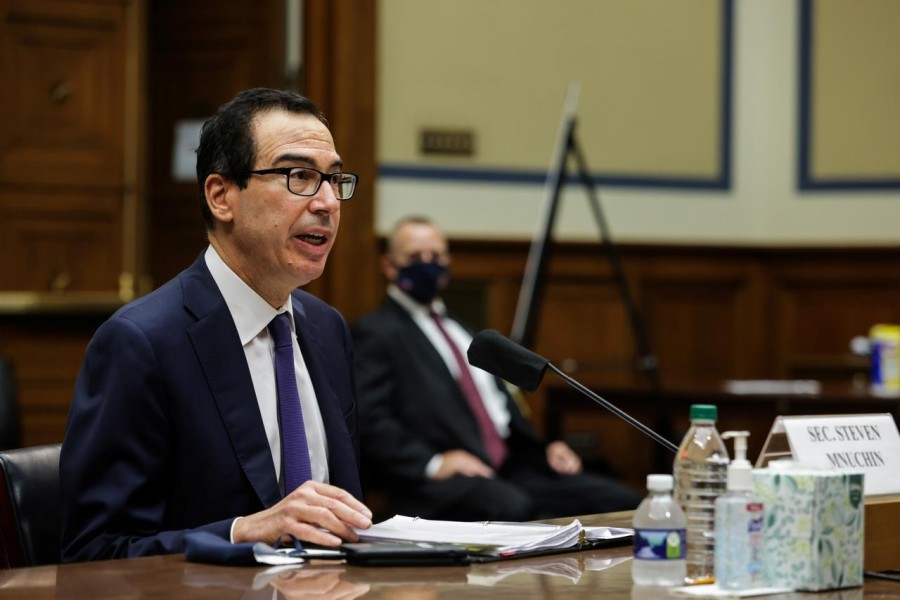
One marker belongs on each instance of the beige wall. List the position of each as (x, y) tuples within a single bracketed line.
[(662, 124)]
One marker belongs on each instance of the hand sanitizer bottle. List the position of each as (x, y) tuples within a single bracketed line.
[(739, 524)]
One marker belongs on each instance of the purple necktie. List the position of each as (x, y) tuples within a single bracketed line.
[(490, 437), (293, 435)]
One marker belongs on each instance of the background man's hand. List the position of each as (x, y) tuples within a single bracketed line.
[(314, 512), (563, 459), (460, 462)]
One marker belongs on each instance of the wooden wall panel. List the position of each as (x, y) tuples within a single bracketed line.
[(63, 145), (64, 124), (702, 316), (201, 54), (46, 351), (822, 302), (339, 76), (70, 189), (584, 329)]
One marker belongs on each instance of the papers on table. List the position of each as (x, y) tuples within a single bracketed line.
[(489, 537), (607, 533)]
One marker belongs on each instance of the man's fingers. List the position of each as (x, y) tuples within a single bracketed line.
[(307, 532), (343, 496), (480, 470), (336, 502)]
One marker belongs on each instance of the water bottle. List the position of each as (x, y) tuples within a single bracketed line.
[(700, 475), (659, 536)]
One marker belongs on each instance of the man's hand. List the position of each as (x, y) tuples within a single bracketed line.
[(305, 584), (314, 512), (460, 462), (563, 459)]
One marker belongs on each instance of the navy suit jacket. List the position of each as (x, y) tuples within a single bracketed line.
[(164, 434), (412, 408)]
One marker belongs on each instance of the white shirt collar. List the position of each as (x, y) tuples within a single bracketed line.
[(251, 314), (413, 307)]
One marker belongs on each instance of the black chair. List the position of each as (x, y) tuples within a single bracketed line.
[(30, 522), (10, 433)]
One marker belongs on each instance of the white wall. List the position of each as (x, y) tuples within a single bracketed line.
[(763, 207)]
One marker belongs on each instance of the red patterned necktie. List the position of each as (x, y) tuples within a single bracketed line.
[(490, 437)]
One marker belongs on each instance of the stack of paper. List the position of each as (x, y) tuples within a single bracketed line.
[(487, 537)]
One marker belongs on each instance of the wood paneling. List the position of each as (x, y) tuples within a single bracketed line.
[(201, 54), (46, 351), (823, 301), (64, 251), (702, 316), (711, 313), (71, 189), (64, 124), (64, 143), (339, 75)]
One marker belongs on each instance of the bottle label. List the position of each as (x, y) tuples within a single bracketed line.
[(755, 517), (659, 544)]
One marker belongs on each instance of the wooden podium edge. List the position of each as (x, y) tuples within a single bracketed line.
[(882, 545)]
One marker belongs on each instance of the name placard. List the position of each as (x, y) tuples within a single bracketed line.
[(861, 443)]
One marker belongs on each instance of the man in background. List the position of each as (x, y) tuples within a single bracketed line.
[(224, 401), (446, 440)]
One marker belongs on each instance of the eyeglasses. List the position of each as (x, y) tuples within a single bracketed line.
[(304, 181)]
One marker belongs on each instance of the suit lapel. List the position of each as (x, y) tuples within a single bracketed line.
[(457, 415), (216, 342)]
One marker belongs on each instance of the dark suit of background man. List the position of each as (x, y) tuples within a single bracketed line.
[(174, 425), (421, 438)]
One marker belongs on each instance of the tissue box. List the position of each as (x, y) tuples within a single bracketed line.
[(814, 527)]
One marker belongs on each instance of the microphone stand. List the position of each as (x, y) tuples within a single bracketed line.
[(614, 409)]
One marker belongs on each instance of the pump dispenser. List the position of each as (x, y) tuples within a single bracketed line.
[(739, 524), (740, 471)]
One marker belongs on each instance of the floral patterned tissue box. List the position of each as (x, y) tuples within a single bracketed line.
[(814, 527)]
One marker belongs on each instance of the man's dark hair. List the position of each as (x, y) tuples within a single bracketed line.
[(226, 139)]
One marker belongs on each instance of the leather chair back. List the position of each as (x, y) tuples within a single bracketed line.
[(30, 519)]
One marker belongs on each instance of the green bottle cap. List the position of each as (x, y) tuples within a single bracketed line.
[(707, 412)]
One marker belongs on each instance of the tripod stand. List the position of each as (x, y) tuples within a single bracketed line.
[(534, 279)]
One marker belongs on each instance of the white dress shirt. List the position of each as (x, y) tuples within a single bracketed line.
[(494, 400), (252, 315)]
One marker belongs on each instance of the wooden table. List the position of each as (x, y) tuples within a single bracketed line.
[(598, 573)]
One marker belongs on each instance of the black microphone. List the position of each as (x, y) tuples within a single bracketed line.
[(498, 355)]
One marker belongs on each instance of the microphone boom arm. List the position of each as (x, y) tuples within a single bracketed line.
[(615, 410)]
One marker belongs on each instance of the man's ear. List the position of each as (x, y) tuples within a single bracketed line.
[(388, 268), (219, 194)]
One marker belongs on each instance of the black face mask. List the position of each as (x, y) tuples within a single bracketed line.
[(420, 280)]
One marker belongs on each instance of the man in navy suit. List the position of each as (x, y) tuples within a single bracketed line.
[(174, 426), (422, 437)]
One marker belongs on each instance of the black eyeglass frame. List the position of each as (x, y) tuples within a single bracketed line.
[(286, 171)]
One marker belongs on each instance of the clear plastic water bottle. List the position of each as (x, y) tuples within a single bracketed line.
[(700, 475), (659, 536)]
